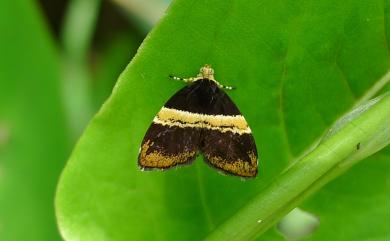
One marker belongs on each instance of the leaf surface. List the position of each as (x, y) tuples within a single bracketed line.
[(297, 66)]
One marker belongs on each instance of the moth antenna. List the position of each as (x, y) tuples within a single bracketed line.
[(185, 80), (226, 87)]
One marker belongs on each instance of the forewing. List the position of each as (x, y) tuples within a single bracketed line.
[(230, 152), (168, 141), (227, 142), (200, 116), (165, 147)]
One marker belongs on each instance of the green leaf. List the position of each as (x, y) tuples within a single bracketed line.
[(33, 141), (297, 65)]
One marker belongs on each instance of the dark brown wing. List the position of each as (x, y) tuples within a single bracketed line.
[(168, 141), (230, 152), (200, 116), (164, 147), (229, 146)]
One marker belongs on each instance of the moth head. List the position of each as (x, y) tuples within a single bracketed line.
[(207, 72)]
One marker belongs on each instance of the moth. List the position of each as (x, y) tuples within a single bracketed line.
[(200, 118)]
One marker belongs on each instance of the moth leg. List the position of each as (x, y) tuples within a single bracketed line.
[(185, 80)]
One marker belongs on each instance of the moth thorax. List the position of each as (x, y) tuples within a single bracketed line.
[(206, 72)]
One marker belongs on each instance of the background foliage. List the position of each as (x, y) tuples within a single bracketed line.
[(35, 135), (298, 66), (33, 138)]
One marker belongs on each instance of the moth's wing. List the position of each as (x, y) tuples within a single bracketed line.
[(167, 142), (227, 142), (164, 147), (230, 152)]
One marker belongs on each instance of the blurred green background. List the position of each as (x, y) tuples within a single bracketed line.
[(58, 63)]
